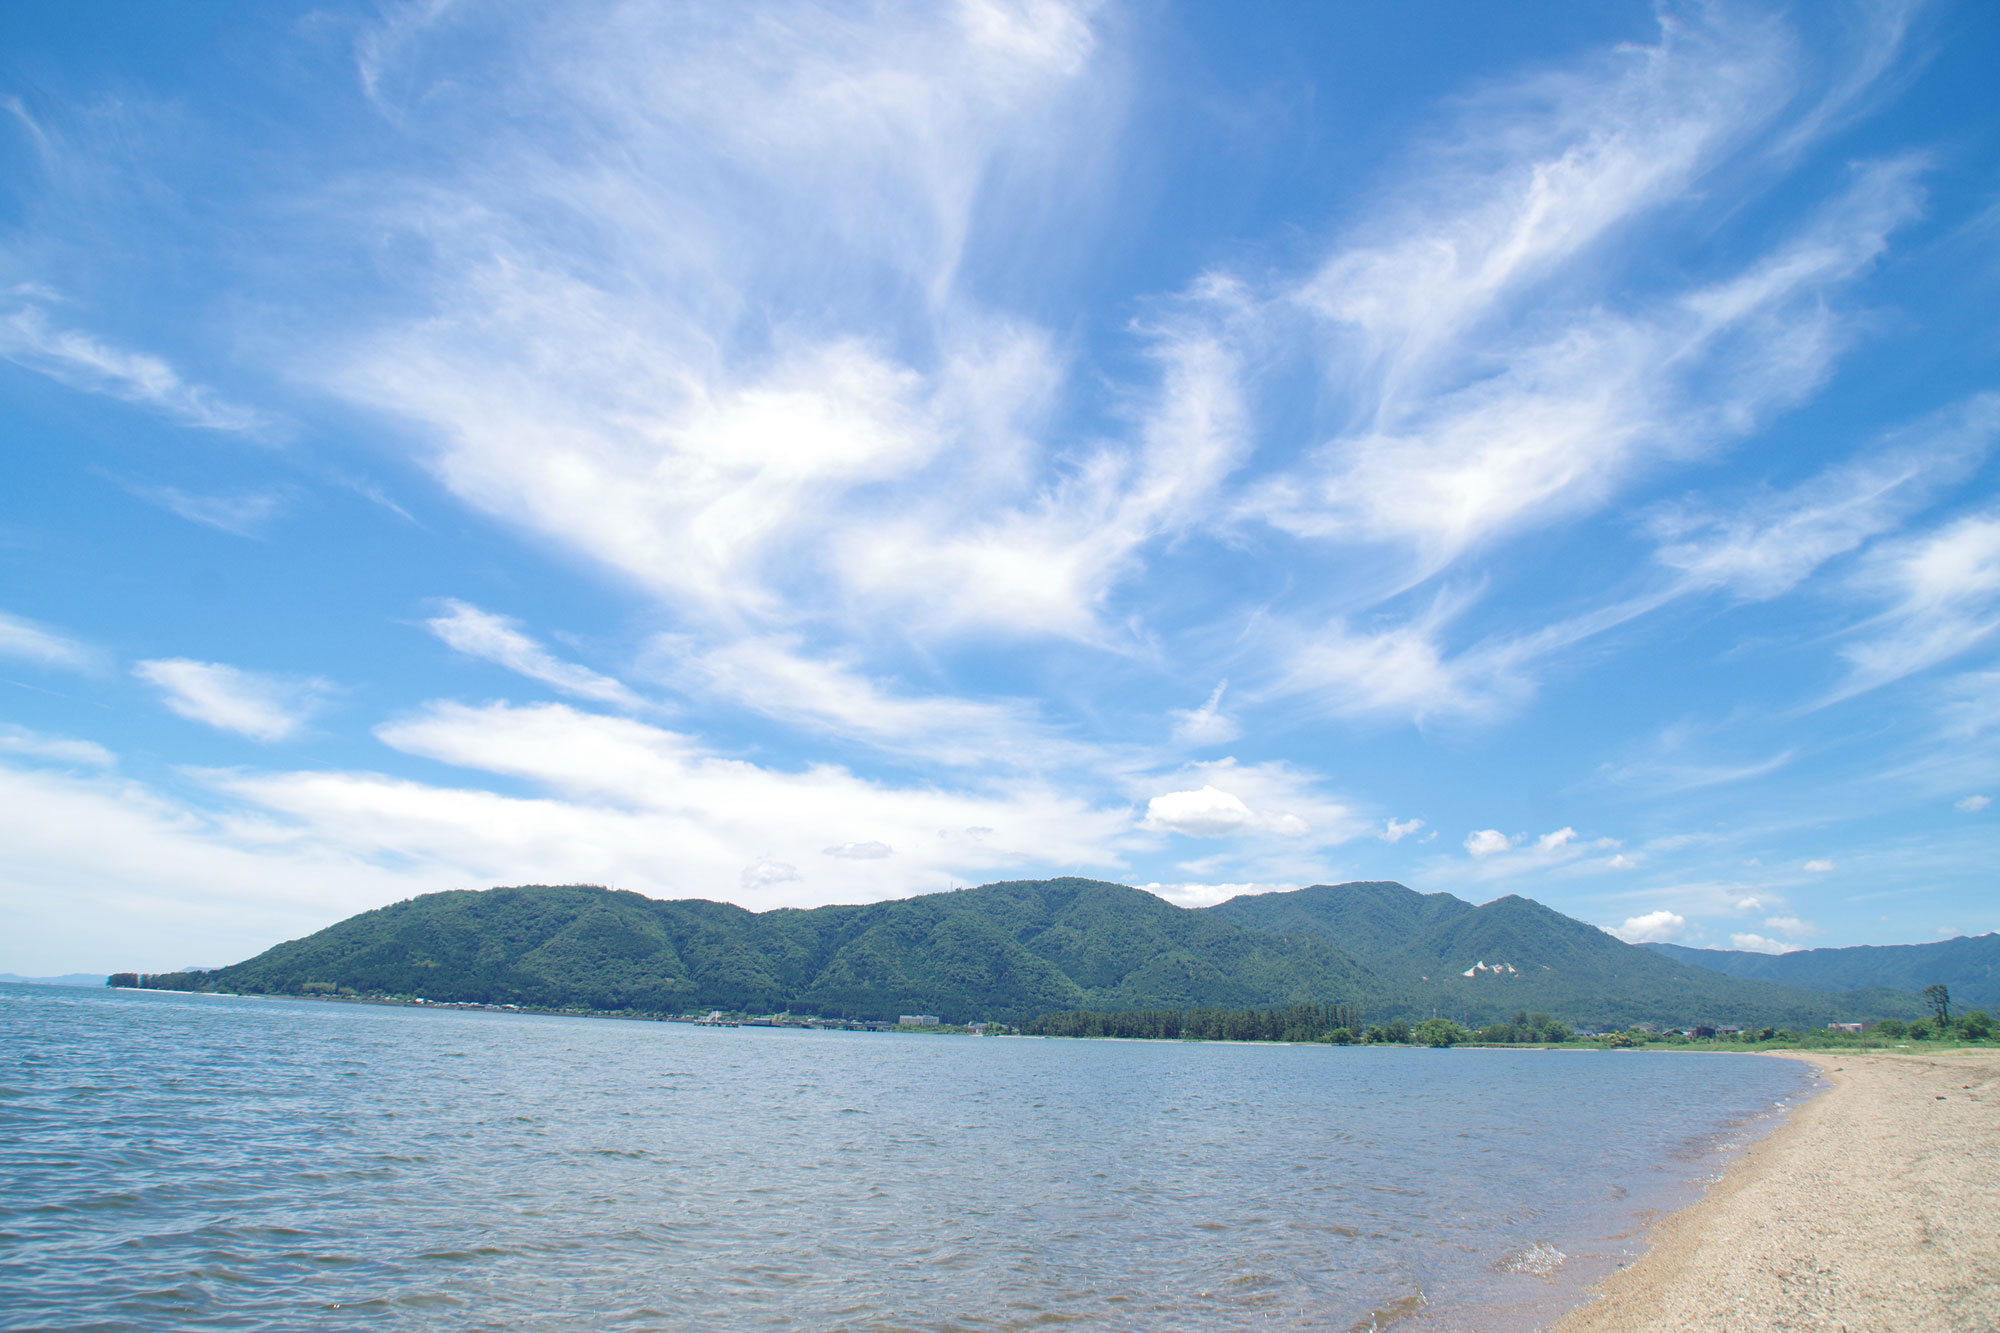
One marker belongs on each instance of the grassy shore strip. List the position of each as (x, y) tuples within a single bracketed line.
[(1871, 1208)]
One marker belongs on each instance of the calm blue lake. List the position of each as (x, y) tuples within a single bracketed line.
[(182, 1162)]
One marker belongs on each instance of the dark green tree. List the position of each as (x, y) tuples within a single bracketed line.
[(1439, 1032), (1938, 997)]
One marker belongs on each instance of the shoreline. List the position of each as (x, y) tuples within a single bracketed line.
[(1871, 1207)]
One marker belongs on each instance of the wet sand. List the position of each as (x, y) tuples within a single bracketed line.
[(1876, 1206)]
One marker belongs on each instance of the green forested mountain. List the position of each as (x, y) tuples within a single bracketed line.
[(1477, 964), (1968, 965), (1002, 951), (1014, 950)]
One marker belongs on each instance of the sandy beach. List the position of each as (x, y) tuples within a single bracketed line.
[(1876, 1207)]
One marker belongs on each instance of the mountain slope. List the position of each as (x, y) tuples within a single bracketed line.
[(1483, 963), (1014, 950), (1002, 951), (1969, 966)]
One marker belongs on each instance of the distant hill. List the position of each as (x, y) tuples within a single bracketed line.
[(1014, 950), (1481, 963), (1968, 965), (1004, 951), (67, 979)]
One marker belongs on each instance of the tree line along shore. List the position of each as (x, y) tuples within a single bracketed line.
[(1299, 1024)]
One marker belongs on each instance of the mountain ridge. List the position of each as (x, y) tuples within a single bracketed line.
[(1016, 949), (1514, 954), (1969, 965)]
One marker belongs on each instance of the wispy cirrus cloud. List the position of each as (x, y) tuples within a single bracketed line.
[(33, 340), (244, 514), (1767, 544), (1563, 421), (1943, 595), (25, 743), (1660, 924), (500, 640), (26, 641), (1561, 402), (738, 437), (732, 406), (826, 693), (1208, 724), (260, 705)]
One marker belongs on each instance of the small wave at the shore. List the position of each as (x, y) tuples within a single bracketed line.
[(1539, 1260)]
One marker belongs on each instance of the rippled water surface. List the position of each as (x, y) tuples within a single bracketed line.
[(188, 1162)]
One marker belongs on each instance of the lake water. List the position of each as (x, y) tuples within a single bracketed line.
[(189, 1162)]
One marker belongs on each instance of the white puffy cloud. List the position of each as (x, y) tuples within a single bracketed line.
[(1750, 942), (1268, 804), (1661, 925), (1972, 805), (766, 873), (1205, 813), (1792, 927), (1818, 866), (1394, 830), (498, 639), (1494, 855), (262, 706)]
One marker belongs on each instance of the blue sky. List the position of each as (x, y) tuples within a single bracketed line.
[(795, 454)]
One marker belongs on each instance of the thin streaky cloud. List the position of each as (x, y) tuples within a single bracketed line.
[(260, 705), (27, 744), (1769, 544), (1943, 593), (499, 640), (84, 361), (26, 641)]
